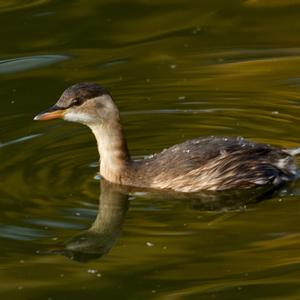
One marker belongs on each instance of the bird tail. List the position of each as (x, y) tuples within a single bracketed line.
[(292, 151)]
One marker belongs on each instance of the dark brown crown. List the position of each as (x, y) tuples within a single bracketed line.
[(81, 92)]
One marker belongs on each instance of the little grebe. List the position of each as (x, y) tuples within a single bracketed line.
[(210, 163)]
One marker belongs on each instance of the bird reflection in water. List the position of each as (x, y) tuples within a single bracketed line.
[(97, 240), (102, 235)]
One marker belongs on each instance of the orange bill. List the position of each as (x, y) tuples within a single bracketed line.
[(53, 112)]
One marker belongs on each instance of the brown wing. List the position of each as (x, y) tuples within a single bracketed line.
[(215, 164)]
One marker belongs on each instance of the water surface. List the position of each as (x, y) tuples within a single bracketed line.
[(177, 70)]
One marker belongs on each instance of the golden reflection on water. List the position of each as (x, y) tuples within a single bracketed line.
[(271, 3), (177, 70), (10, 5)]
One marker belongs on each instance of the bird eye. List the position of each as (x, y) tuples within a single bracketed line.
[(76, 101)]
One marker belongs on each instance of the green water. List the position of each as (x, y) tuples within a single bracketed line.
[(177, 70)]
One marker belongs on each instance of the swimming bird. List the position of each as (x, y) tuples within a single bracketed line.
[(208, 163)]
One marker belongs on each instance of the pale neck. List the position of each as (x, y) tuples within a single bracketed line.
[(113, 151)]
